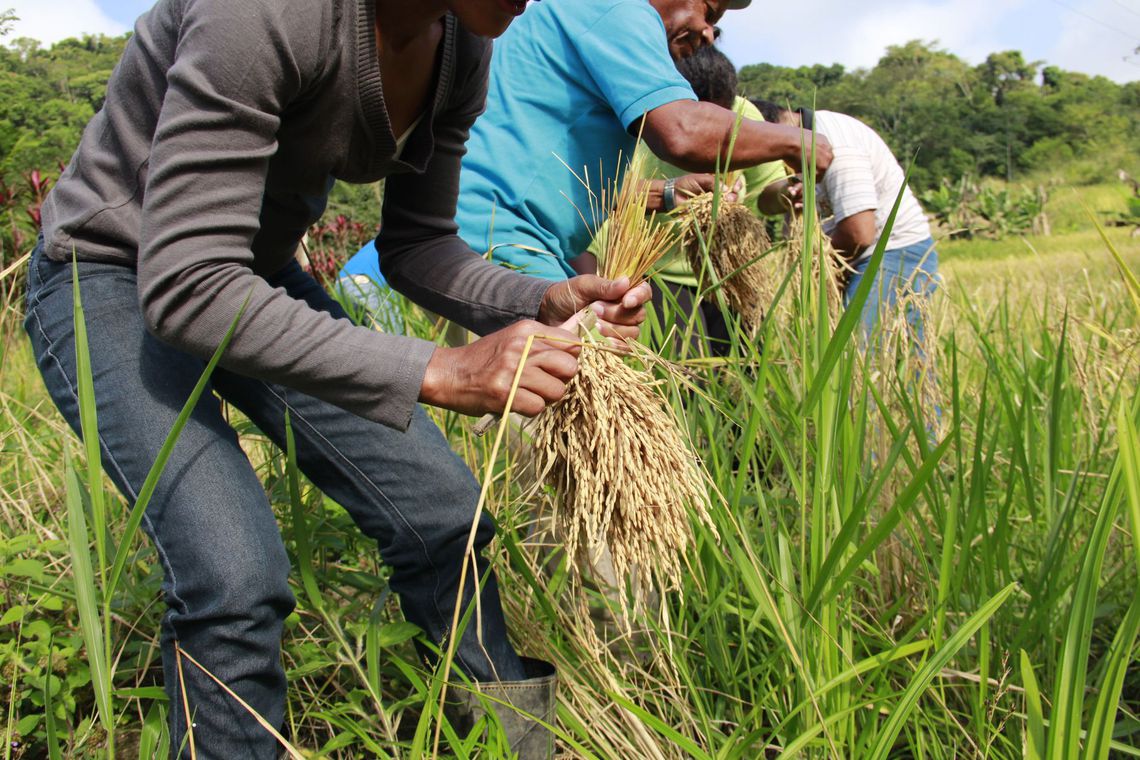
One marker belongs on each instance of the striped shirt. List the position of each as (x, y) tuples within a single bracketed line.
[(865, 176)]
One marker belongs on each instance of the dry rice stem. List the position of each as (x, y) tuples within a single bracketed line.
[(834, 274), (624, 476), (900, 366)]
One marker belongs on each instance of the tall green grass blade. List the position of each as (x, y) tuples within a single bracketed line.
[(154, 741), (88, 422), (302, 536), (151, 482), (852, 522), (1131, 282), (853, 313), (1117, 661), (885, 525), (1119, 656), (301, 533), (1034, 716), (901, 712), (50, 730), (87, 598), (1069, 690), (1130, 455), (795, 748), (1057, 426), (675, 737)]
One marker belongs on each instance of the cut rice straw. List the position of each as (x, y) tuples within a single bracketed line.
[(727, 246), (625, 478)]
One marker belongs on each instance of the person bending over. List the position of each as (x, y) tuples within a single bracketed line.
[(224, 127), (857, 195), (572, 85)]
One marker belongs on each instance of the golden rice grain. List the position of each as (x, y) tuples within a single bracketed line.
[(624, 475)]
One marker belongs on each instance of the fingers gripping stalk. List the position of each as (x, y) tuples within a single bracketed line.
[(586, 321)]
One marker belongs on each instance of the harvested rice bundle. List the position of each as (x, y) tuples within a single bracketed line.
[(736, 241), (625, 478), (624, 475)]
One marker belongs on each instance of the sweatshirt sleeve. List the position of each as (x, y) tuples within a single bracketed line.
[(421, 254), (236, 69)]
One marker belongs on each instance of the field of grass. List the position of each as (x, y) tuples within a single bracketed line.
[(879, 580)]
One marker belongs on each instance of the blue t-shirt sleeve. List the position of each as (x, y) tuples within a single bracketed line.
[(627, 54)]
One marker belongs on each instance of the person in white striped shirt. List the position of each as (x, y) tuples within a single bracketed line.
[(856, 196)]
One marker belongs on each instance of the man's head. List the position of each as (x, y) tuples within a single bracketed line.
[(712, 76), (690, 24), (774, 114)]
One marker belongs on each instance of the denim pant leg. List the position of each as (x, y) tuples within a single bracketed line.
[(225, 568), (407, 490), (911, 268)]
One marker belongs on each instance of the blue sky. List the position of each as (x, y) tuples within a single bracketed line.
[(1094, 36)]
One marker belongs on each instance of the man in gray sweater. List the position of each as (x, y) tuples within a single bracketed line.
[(224, 127)]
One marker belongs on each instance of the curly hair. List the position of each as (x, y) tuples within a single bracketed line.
[(712, 76)]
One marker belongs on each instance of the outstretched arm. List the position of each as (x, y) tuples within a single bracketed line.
[(695, 136)]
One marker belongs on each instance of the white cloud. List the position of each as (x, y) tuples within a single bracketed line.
[(54, 20)]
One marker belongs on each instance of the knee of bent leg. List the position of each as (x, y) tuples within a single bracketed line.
[(441, 536), (250, 585)]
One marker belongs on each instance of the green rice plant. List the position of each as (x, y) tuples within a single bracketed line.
[(1064, 738), (94, 588), (853, 562)]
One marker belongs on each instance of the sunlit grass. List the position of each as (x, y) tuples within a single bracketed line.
[(865, 591)]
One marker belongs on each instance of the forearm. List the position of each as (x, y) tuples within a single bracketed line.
[(854, 234), (446, 276), (696, 137), (281, 339), (845, 244)]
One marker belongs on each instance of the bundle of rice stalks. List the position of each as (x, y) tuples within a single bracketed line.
[(625, 478), (726, 243)]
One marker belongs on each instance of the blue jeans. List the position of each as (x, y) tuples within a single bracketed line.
[(911, 268), (224, 563)]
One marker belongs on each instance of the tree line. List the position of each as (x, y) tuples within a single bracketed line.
[(1006, 117)]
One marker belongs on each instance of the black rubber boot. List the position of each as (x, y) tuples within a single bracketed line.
[(524, 709)]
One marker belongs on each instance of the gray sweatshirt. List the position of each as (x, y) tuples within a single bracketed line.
[(224, 127)]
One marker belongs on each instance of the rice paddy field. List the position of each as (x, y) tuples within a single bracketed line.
[(899, 562)]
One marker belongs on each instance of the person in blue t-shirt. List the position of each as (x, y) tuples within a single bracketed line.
[(572, 85), (362, 282)]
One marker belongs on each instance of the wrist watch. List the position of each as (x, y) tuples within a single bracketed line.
[(669, 194)]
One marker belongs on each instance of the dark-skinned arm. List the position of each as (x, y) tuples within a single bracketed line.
[(854, 234), (695, 136)]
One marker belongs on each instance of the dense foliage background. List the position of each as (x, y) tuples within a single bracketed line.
[(1006, 117)]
